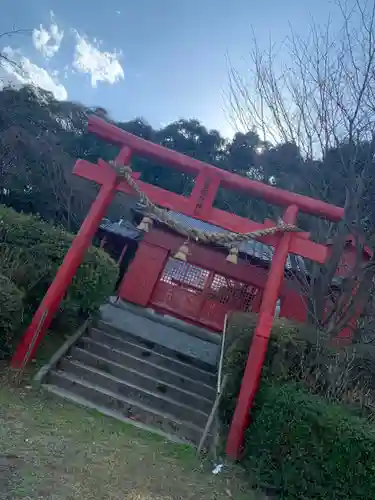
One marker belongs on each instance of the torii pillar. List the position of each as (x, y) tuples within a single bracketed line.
[(73, 258), (258, 348)]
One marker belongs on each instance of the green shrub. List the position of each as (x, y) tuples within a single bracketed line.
[(300, 441), (299, 353), (306, 448), (11, 313), (38, 249), (293, 354)]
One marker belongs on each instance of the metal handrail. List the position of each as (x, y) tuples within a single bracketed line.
[(221, 382), (221, 358)]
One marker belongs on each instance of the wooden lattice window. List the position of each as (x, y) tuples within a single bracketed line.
[(180, 273), (234, 293)]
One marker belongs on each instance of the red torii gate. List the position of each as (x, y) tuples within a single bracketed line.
[(199, 205)]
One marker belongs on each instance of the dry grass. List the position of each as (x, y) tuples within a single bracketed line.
[(53, 450)]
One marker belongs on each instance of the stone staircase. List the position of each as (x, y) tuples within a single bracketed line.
[(140, 370)]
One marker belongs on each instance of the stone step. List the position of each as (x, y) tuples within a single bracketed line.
[(118, 335), (121, 353), (144, 367), (139, 379), (104, 410), (133, 392), (125, 407)]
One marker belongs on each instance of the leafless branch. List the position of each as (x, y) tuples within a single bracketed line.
[(319, 94)]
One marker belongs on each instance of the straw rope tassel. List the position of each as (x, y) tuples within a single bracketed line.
[(183, 252), (232, 255), (145, 224)]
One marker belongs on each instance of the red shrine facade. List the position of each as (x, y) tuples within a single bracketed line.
[(205, 287), (201, 290)]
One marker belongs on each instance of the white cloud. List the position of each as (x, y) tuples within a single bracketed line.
[(48, 41), (101, 66), (25, 72)]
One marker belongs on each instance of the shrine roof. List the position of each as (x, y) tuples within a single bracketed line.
[(121, 228)]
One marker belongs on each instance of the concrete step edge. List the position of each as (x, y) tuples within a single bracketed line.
[(135, 387), (194, 395), (117, 333), (114, 395), (74, 398), (124, 367), (85, 338), (195, 331), (154, 365)]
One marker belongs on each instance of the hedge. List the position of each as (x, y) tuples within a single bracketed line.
[(34, 250), (292, 348), (11, 313), (299, 353), (302, 447), (300, 442)]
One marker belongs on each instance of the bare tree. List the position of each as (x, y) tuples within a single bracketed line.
[(5, 60), (319, 96)]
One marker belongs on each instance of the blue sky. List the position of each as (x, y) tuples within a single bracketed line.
[(158, 59)]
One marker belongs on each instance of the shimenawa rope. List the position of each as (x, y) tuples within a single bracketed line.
[(230, 239)]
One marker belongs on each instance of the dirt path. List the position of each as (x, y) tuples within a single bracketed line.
[(56, 451)]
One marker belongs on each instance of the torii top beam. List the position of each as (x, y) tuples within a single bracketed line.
[(179, 161)]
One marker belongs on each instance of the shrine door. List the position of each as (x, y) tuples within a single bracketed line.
[(202, 296)]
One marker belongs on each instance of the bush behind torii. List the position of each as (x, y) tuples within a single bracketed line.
[(31, 251)]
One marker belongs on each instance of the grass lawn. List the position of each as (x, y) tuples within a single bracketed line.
[(50, 449)]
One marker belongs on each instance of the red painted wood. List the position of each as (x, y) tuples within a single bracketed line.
[(213, 184), (122, 255), (124, 157), (349, 260), (213, 311), (346, 334), (249, 387), (55, 293), (308, 249), (259, 344), (143, 273), (198, 191), (199, 295), (213, 314), (101, 173), (103, 241), (293, 306), (256, 305), (113, 134), (178, 301)]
